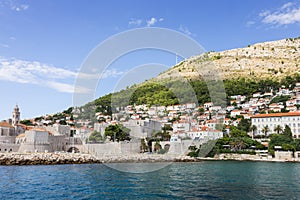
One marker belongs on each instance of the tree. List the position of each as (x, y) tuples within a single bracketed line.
[(157, 146), (235, 132), (144, 146), (26, 122), (96, 137), (253, 128), (237, 144), (117, 133), (287, 131), (278, 129), (244, 125), (201, 111), (167, 128), (265, 130), (219, 127), (163, 136), (62, 122), (282, 140)]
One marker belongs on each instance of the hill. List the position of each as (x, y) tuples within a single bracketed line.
[(275, 59), (255, 68)]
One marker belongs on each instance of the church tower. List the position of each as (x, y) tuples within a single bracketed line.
[(16, 116)]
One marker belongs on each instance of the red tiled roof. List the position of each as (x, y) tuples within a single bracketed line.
[(277, 115), (5, 124), (21, 135)]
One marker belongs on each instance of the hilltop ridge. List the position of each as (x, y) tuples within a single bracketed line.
[(275, 59)]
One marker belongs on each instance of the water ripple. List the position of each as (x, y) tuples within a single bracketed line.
[(204, 180)]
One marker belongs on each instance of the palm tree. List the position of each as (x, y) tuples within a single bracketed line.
[(253, 128), (265, 130), (278, 129)]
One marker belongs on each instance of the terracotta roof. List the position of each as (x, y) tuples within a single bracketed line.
[(21, 135), (39, 129), (5, 124), (22, 125), (289, 114)]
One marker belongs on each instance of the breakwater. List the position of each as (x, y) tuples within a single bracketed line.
[(77, 158), (45, 159)]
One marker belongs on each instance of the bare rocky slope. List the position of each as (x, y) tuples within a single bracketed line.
[(275, 59)]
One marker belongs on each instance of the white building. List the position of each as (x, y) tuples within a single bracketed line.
[(205, 135), (292, 119), (181, 127)]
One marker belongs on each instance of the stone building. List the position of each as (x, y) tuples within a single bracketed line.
[(41, 140), (58, 129), (143, 128), (7, 133), (35, 140)]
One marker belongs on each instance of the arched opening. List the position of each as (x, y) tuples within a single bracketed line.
[(73, 150), (167, 147)]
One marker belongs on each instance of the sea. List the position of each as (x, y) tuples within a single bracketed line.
[(201, 180)]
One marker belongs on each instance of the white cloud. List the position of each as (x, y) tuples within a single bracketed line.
[(185, 30), (287, 5), (136, 22), (13, 5), (19, 8), (60, 79), (250, 23), (285, 15), (151, 22), (61, 87), (4, 45), (67, 88), (139, 22), (111, 73)]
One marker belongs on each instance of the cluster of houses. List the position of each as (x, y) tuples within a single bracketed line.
[(185, 122)]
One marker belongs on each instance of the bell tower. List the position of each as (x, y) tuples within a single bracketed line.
[(16, 116)]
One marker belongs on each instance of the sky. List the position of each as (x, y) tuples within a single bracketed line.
[(43, 44)]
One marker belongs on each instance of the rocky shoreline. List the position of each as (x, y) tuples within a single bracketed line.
[(45, 159), (77, 158)]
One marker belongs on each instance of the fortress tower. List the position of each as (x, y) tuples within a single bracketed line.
[(16, 116)]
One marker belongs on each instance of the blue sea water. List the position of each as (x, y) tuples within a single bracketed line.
[(203, 180)]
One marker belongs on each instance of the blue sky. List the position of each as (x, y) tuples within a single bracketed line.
[(44, 43)]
